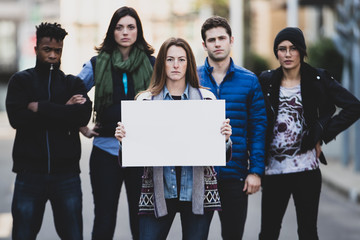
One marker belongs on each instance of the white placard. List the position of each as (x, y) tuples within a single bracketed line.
[(173, 133)]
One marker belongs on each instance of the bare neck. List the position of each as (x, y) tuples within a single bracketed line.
[(176, 88), (220, 68), (125, 52), (291, 77)]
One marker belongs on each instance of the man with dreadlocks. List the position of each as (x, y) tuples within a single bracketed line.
[(47, 107)]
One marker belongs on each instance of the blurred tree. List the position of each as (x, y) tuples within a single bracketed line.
[(323, 54), (255, 63), (219, 7)]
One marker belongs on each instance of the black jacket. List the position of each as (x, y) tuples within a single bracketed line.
[(321, 94), (46, 141)]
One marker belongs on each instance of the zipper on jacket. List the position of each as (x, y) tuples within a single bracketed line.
[(216, 84), (270, 103), (47, 132), (219, 85), (318, 113), (272, 109)]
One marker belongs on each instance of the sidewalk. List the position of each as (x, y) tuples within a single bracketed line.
[(343, 179), (340, 178), (5, 128)]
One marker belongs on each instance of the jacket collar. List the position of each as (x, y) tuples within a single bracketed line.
[(210, 69), (193, 94), (185, 94), (308, 76), (44, 67)]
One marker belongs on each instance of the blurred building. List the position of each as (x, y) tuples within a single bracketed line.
[(86, 21), (17, 20), (268, 17)]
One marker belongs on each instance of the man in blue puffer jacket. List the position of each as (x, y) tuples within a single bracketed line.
[(246, 109)]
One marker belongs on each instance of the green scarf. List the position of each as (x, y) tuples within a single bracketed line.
[(138, 65)]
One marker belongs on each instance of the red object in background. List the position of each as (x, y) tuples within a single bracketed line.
[(28, 48)]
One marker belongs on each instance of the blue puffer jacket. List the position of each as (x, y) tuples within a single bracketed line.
[(246, 109)]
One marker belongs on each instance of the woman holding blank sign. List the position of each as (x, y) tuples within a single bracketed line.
[(192, 191)]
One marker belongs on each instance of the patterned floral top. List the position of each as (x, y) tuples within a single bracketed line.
[(285, 155)]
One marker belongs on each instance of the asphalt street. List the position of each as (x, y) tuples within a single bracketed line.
[(339, 218)]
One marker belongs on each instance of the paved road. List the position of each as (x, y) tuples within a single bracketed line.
[(338, 218)]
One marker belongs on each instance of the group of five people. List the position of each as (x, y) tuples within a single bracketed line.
[(274, 128)]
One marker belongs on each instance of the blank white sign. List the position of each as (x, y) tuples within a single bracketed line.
[(173, 133)]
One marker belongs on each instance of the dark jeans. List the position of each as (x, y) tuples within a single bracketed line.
[(234, 204), (30, 196), (305, 187), (106, 180), (194, 227)]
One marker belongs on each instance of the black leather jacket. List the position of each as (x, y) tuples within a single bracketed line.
[(46, 141), (321, 94)]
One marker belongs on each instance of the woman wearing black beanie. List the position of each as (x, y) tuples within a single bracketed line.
[(301, 101)]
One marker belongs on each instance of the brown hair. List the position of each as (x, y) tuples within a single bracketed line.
[(158, 78), (214, 22), (109, 44)]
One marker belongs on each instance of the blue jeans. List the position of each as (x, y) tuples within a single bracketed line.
[(107, 177), (194, 227), (305, 188), (234, 204), (31, 193)]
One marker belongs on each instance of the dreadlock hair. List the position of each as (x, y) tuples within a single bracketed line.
[(51, 30)]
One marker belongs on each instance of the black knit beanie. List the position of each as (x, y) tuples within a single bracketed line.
[(292, 34)]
